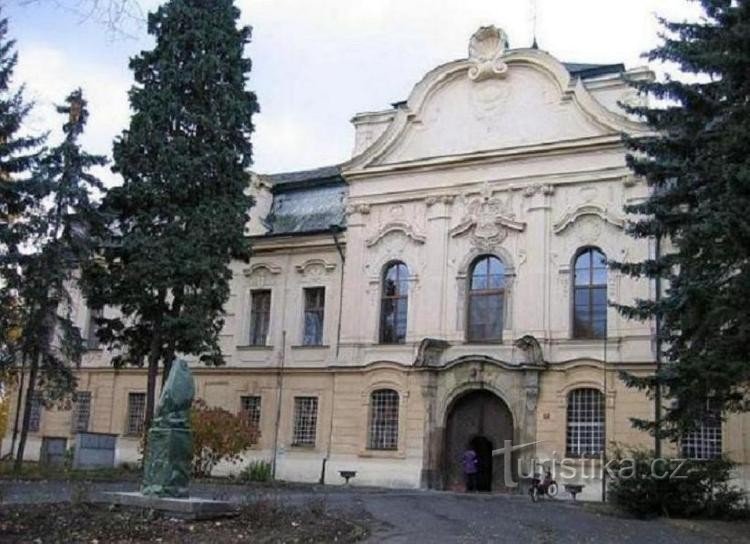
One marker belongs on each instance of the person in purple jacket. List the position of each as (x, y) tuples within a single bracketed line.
[(470, 466)]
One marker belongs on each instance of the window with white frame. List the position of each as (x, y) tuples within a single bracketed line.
[(585, 433), (81, 411), (486, 302), (590, 294), (92, 328), (136, 413), (703, 442), (251, 409), (260, 316), (35, 413), (305, 421), (383, 428), (314, 316), (394, 303)]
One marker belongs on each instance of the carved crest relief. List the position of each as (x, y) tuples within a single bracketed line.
[(488, 220)]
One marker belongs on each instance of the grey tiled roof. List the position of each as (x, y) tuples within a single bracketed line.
[(325, 174)]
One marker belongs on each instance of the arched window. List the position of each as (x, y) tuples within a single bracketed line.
[(394, 304), (486, 300), (590, 295), (383, 428), (585, 422)]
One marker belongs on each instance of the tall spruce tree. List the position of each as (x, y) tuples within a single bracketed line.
[(18, 152), (179, 217), (59, 229), (698, 167)]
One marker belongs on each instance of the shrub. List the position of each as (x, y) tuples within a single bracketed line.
[(256, 471), (696, 489), (218, 435)]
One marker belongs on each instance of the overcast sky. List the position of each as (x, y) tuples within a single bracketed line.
[(318, 62)]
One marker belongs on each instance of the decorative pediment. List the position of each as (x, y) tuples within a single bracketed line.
[(577, 214), (261, 268), (496, 101), (396, 226), (314, 267), (262, 274)]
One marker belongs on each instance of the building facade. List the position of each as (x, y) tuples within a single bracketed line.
[(445, 287)]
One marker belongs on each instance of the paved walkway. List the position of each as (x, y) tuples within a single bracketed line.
[(433, 517)]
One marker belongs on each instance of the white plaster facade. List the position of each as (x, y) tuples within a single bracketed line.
[(508, 152)]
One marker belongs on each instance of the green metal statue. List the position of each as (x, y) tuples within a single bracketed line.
[(170, 445)]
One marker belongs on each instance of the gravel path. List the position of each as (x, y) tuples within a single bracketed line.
[(433, 517)]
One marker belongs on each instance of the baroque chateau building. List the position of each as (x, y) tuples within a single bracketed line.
[(447, 286)]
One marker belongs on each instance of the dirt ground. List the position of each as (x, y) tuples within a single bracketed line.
[(261, 522)]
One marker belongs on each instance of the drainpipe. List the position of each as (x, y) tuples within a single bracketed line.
[(335, 232)]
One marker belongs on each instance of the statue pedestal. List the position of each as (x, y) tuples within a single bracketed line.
[(167, 469), (184, 508)]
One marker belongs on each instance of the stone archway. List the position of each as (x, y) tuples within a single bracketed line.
[(479, 419)]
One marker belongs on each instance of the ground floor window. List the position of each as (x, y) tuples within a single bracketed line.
[(585, 436), (704, 442), (305, 421), (81, 411), (251, 409), (383, 431), (35, 413), (136, 413)]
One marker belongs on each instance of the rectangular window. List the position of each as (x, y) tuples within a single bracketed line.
[(92, 340), (35, 414), (585, 436), (305, 421), (704, 442), (314, 316), (81, 411), (136, 413), (251, 409), (260, 315)]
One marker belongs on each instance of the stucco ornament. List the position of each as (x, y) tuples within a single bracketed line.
[(489, 220), (169, 454), (486, 48)]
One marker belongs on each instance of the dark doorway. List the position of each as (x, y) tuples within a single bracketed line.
[(481, 420), (483, 448)]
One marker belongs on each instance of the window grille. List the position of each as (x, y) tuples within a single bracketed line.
[(394, 304), (136, 413), (251, 409), (585, 422), (305, 421), (314, 316), (260, 316), (486, 300), (383, 432), (81, 411), (704, 442), (35, 413), (590, 295)]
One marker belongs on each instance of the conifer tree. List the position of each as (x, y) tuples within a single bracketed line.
[(59, 227), (698, 166), (18, 152), (178, 219)]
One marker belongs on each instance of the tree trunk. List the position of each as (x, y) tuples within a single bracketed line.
[(30, 388), (16, 419)]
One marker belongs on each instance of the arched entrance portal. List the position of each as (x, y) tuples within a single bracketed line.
[(482, 421)]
